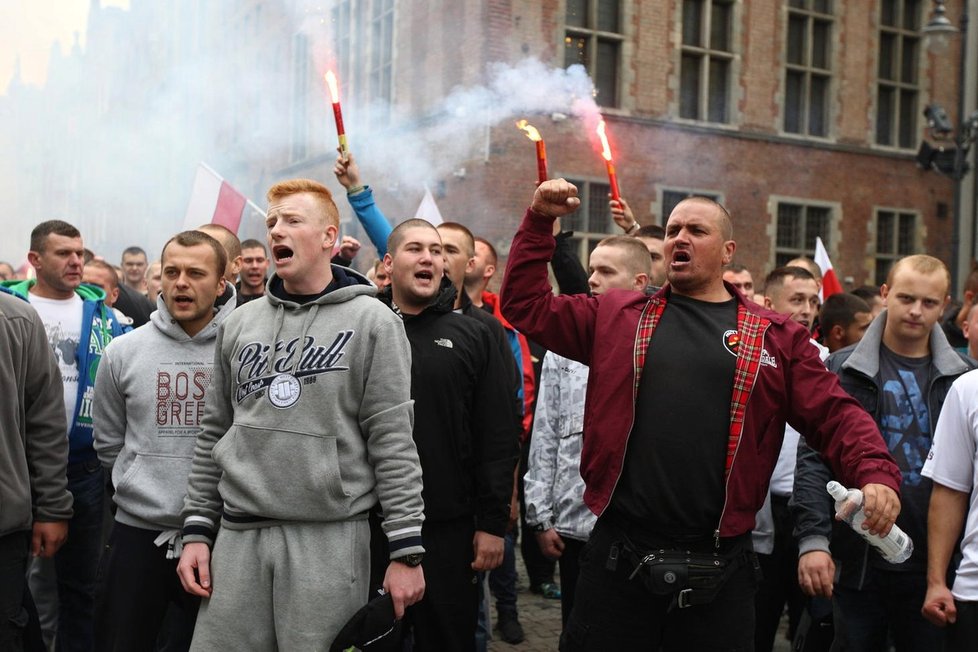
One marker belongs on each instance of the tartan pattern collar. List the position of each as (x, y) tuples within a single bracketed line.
[(751, 328)]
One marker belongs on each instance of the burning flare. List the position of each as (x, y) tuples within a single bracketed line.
[(534, 135), (609, 163), (334, 91), (605, 147), (531, 131)]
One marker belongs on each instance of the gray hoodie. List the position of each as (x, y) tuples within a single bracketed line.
[(309, 418), (33, 446), (149, 402)]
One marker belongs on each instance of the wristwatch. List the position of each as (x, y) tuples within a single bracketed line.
[(413, 560)]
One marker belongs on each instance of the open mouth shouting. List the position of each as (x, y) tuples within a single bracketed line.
[(282, 254), (425, 276), (183, 301), (680, 259)]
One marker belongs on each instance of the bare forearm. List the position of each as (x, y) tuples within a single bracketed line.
[(945, 520)]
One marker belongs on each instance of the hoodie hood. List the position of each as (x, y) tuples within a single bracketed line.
[(166, 324), (85, 291), (347, 283)]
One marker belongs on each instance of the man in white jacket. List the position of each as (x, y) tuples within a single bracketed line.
[(149, 398)]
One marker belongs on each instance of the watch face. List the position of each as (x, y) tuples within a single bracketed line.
[(412, 560)]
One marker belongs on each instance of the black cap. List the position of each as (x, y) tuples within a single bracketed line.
[(372, 628)]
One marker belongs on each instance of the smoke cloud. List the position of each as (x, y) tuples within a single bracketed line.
[(113, 140)]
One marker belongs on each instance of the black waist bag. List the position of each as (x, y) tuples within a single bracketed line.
[(694, 578)]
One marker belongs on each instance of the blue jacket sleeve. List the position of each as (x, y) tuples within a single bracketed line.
[(373, 221)]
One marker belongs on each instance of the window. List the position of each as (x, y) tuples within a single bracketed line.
[(381, 58), (300, 97), (364, 46), (670, 198), (808, 67), (593, 39), (898, 83), (707, 60), (797, 227), (592, 222), (895, 238)]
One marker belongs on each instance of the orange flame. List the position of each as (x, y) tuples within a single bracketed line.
[(334, 91), (531, 131), (605, 148)]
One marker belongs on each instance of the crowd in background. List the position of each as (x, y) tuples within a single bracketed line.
[(201, 453)]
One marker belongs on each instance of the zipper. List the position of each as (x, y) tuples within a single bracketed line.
[(726, 484)]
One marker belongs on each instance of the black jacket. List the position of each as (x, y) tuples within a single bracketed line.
[(465, 427), (858, 369)]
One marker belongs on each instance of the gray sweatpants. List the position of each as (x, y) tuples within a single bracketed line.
[(284, 587)]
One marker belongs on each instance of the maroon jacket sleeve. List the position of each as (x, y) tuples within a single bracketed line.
[(834, 423), (563, 324)]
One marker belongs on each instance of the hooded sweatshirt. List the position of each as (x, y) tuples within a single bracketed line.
[(149, 400), (308, 418), (99, 326), (33, 448)]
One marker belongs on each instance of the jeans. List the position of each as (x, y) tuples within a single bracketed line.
[(502, 580), (76, 563), (889, 601)]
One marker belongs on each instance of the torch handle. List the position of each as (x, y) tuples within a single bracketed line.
[(340, 129), (542, 174), (613, 180)]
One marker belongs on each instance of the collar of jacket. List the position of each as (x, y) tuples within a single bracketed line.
[(443, 302), (865, 356)]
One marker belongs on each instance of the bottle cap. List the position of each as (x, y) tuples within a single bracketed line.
[(836, 490)]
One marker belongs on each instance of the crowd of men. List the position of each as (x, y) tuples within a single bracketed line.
[(200, 453)]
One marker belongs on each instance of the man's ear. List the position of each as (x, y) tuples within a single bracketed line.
[(836, 333), (768, 303), (388, 263), (884, 290), (640, 282), (489, 272)]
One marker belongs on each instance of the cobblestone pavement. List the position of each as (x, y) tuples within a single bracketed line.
[(540, 618)]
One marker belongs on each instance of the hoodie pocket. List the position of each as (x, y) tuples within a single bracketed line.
[(153, 487), (282, 474)]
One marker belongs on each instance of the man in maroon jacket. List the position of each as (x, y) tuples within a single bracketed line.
[(683, 423)]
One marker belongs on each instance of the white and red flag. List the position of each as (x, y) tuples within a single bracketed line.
[(830, 282), (214, 201)]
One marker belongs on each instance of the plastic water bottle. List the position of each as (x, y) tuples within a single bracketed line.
[(896, 547)]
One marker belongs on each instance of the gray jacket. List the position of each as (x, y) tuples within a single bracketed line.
[(149, 398), (33, 445), (309, 418), (553, 484), (812, 508)]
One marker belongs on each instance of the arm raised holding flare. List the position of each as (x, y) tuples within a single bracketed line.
[(361, 198)]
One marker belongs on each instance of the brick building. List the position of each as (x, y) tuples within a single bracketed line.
[(802, 116)]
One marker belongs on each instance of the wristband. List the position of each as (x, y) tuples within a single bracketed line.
[(355, 189)]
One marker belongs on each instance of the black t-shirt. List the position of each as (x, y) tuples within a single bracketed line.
[(672, 483), (905, 425)]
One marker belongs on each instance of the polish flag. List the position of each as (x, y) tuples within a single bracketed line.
[(830, 283), (213, 201)]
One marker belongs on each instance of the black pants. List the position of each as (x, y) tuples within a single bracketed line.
[(962, 636), (137, 585), (613, 612), (14, 549), (779, 582), (570, 568), (445, 620)]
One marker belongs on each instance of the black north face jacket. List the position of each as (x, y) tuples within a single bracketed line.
[(465, 427)]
